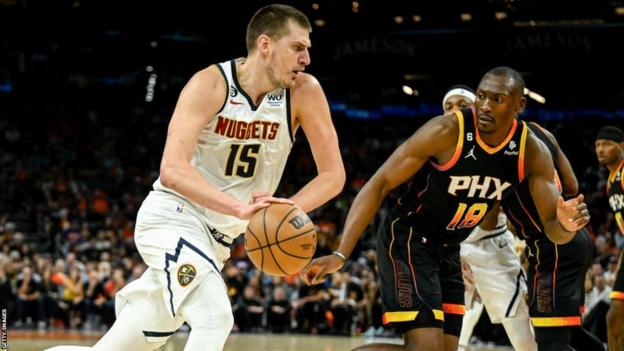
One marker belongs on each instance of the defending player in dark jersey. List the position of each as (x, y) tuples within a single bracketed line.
[(556, 272), (610, 153), (461, 163)]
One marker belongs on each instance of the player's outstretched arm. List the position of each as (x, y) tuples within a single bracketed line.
[(431, 140), (201, 98), (561, 219), (311, 112)]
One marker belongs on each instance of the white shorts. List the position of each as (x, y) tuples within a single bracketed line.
[(180, 252), (498, 275)]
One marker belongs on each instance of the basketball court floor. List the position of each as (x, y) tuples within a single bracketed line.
[(37, 341)]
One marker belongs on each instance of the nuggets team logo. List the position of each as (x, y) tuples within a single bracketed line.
[(186, 274)]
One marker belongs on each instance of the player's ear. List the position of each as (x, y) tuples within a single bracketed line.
[(522, 104), (262, 44)]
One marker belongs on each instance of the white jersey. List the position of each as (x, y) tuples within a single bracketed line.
[(243, 149), (479, 234), (497, 272)]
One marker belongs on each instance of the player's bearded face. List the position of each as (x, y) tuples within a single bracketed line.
[(289, 57), (607, 151), (277, 72)]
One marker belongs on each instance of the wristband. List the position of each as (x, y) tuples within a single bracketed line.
[(339, 254)]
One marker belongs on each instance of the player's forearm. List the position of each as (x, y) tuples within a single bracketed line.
[(364, 207), (557, 233), (319, 190), (188, 182)]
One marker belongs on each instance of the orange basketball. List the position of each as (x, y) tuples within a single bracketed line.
[(280, 239)]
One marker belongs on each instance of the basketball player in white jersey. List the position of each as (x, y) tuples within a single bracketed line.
[(492, 272), (226, 148)]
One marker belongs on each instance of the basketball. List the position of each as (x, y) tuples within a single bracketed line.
[(280, 239)]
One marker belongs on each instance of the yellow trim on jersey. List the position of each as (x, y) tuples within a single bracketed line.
[(439, 315), (458, 148), (407, 316), (556, 321), (613, 174), (523, 140), (494, 149), (402, 316), (616, 295)]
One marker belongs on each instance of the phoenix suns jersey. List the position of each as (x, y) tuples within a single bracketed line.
[(243, 149), (519, 206), (615, 192), (448, 200)]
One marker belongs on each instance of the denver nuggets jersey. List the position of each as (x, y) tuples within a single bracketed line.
[(456, 196), (519, 206), (243, 149), (615, 192)]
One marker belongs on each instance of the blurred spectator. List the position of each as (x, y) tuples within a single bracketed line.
[(96, 298), (311, 308), (248, 310), (597, 304), (279, 311), (72, 299), (345, 295), (6, 292), (30, 303)]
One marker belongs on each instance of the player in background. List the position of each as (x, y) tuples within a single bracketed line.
[(610, 152)]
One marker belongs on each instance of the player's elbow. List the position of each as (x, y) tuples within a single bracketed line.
[(167, 175), (339, 180)]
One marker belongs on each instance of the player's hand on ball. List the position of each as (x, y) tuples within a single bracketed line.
[(247, 211), (263, 196), (259, 200), (315, 271)]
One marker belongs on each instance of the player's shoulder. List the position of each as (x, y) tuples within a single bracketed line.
[(550, 136), (534, 144), (445, 124), (305, 82), (209, 78), (536, 152), (440, 133)]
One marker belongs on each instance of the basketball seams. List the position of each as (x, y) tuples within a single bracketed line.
[(282, 222), (255, 237), (285, 250), (295, 236), (282, 241), (277, 264)]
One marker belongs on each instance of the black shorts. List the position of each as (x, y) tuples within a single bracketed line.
[(556, 280), (420, 280), (618, 288)]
